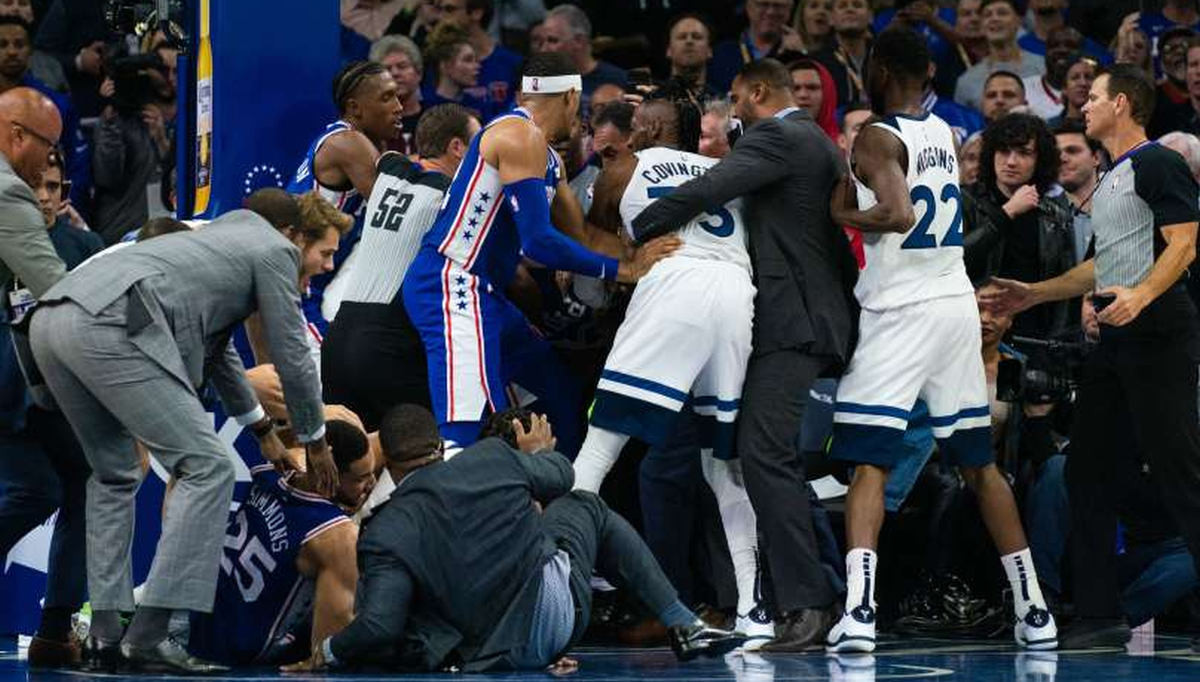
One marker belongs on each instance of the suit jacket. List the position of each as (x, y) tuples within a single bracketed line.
[(25, 248), (804, 270), (189, 290), (450, 566)]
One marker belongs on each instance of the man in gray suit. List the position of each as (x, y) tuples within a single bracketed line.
[(124, 344), (804, 320)]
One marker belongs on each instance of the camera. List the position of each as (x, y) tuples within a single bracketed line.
[(138, 80), (1048, 373)]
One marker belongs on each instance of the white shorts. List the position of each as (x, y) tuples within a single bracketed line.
[(685, 340), (932, 351)]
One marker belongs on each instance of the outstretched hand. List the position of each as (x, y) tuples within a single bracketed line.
[(646, 256), (1007, 296)]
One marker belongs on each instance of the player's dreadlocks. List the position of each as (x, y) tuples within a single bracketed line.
[(687, 113)]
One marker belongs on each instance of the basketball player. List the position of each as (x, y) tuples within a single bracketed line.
[(289, 558), (919, 338), (685, 340), (340, 164), (496, 212)]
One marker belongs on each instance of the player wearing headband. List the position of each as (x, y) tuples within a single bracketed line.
[(498, 209)]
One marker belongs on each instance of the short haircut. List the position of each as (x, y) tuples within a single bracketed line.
[(575, 19), (407, 432), (1016, 130), (444, 44), (392, 44), (903, 52), (499, 425), (769, 72), (350, 78), (803, 64), (1191, 145), (718, 106), (275, 205), (441, 124), (1135, 84), (14, 20), (546, 64), (618, 113), (317, 215), (1001, 73), (347, 442), (1011, 3), (157, 227), (858, 106), (1070, 126), (693, 16)]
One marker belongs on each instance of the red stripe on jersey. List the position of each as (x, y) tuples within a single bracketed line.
[(448, 339), (462, 209)]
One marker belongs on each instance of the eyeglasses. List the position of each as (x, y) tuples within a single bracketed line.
[(35, 134)]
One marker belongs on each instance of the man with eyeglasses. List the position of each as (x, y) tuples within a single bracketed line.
[(768, 35)]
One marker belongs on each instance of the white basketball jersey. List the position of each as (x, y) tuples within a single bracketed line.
[(926, 261), (719, 234)]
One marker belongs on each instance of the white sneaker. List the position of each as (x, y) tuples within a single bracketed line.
[(758, 628), (1036, 631), (854, 633)]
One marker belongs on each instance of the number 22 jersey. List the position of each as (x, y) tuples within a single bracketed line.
[(926, 262)]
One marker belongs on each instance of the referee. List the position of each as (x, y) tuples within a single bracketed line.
[(1141, 379)]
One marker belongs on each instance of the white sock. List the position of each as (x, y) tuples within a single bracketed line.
[(1023, 578), (741, 526), (860, 578), (599, 452)]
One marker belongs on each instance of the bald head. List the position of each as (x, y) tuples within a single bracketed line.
[(30, 126)]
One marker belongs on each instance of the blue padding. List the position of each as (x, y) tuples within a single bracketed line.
[(971, 448), (876, 410), (962, 414), (880, 446), (644, 384), (645, 421)]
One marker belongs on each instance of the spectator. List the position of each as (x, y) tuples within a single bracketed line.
[(498, 65), (1188, 146), (454, 71), (1174, 107), (402, 59), (925, 18), (1049, 15), (611, 129), (715, 127), (130, 146), (73, 242), (537, 38), (813, 89), (74, 31), (1079, 82), (767, 35), (689, 51), (812, 23), (1174, 14), (370, 19), (514, 19), (964, 121), (16, 49), (968, 160), (846, 57), (969, 49), (1003, 92), (1131, 46), (1079, 164), (1001, 21), (1044, 93), (415, 20), (568, 29), (42, 64), (1016, 222)]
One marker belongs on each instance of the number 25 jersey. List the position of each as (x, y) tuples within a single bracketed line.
[(926, 262)]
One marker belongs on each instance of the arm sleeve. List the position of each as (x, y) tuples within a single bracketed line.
[(384, 594), (759, 158), (1164, 182), (276, 282), (550, 474), (25, 246), (546, 245)]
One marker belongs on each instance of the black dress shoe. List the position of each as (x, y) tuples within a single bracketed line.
[(167, 656), (1095, 633), (98, 655), (690, 641), (800, 630)]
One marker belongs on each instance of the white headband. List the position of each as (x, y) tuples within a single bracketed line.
[(549, 85)]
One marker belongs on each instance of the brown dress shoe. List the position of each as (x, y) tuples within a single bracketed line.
[(53, 653), (799, 631)]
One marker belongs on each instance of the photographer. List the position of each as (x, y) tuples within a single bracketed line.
[(1143, 372), (131, 143)]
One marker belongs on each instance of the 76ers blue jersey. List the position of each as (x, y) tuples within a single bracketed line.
[(475, 227), (260, 589)]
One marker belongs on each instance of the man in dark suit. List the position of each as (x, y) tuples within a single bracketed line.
[(461, 569), (804, 317)]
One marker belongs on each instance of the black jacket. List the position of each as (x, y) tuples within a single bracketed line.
[(803, 268), (450, 566), (985, 228)]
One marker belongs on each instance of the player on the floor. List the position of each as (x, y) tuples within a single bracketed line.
[(919, 338), (496, 212), (288, 566), (685, 340)]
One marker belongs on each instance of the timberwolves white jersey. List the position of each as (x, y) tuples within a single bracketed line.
[(926, 262), (717, 235)]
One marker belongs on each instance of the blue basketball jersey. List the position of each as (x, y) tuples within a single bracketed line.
[(259, 587), (475, 227)]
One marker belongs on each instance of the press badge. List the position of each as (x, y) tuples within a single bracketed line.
[(20, 300)]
